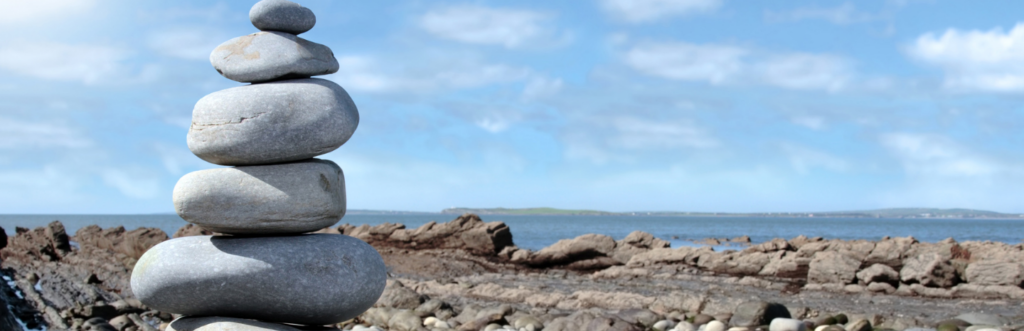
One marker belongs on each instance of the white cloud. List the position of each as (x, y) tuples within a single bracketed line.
[(89, 64), (22, 12), (637, 11), (511, 28), (601, 139), (541, 87), (683, 61), (44, 186), (723, 64), (803, 159), (975, 60), (811, 122), (935, 155), (133, 183), (844, 14), (190, 43), (16, 134), (363, 73)]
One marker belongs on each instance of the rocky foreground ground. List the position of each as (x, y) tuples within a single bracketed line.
[(468, 275)]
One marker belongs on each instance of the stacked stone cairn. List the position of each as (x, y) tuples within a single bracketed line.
[(263, 270)]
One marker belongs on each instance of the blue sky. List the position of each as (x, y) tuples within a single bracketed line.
[(620, 105)]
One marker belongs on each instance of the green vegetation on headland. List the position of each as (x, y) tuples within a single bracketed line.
[(876, 213)]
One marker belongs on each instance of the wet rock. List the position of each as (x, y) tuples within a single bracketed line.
[(753, 314), (331, 277)]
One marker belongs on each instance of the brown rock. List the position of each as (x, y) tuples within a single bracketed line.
[(995, 272), (878, 273), (930, 269), (890, 252), (832, 267), (566, 251), (466, 232), (192, 230)]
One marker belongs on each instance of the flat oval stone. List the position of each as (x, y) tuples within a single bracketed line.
[(272, 55), (265, 199), (281, 15), (217, 323), (272, 122), (312, 279)]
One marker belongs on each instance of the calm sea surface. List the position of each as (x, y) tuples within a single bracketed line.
[(536, 232)]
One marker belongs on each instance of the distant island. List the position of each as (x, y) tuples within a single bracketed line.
[(875, 213)]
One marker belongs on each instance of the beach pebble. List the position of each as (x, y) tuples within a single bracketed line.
[(684, 326), (663, 325), (366, 328), (983, 319), (281, 15), (272, 122), (404, 320), (271, 55), (215, 323), (787, 324), (528, 321), (714, 326), (859, 325), (267, 199), (757, 313), (314, 279)]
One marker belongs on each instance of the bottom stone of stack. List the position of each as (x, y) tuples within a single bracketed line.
[(313, 279), (217, 323)]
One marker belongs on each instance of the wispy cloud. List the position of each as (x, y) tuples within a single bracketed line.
[(803, 159), (725, 64), (621, 138), (975, 60), (510, 28), (935, 155), (845, 13), (27, 12), (133, 182), (88, 64), (186, 42), (638, 11), (18, 134), (441, 73)]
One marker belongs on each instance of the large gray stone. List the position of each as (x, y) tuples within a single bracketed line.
[(215, 323), (313, 279), (282, 198), (281, 15), (272, 55), (272, 122), (756, 313)]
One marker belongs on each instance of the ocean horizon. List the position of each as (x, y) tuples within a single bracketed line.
[(538, 231)]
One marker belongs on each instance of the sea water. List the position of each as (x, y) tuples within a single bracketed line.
[(536, 232)]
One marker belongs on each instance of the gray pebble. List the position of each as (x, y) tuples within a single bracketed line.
[(272, 55), (312, 279), (272, 122), (266, 199), (281, 15), (215, 323)]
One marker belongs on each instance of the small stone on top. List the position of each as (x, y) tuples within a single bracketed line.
[(281, 15)]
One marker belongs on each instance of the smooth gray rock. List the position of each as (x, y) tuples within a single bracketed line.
[(272, 122), (282, 198), (281, 15), (313, 279), (272, 55), (787, 324), (983, 319), (216, 323)]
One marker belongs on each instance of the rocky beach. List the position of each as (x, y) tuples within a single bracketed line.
[(467, 274)]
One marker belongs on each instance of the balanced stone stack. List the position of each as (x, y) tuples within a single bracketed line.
[(261, 272)]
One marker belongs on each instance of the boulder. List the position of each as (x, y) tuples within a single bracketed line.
[(878, 273), (751, 314), (396, 295), (832, 267), (995, 272), (49, 243), (274, 122), (276, 199), (330, 278), (466, 232), (566, 251), (890, 252), (929, 269)]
